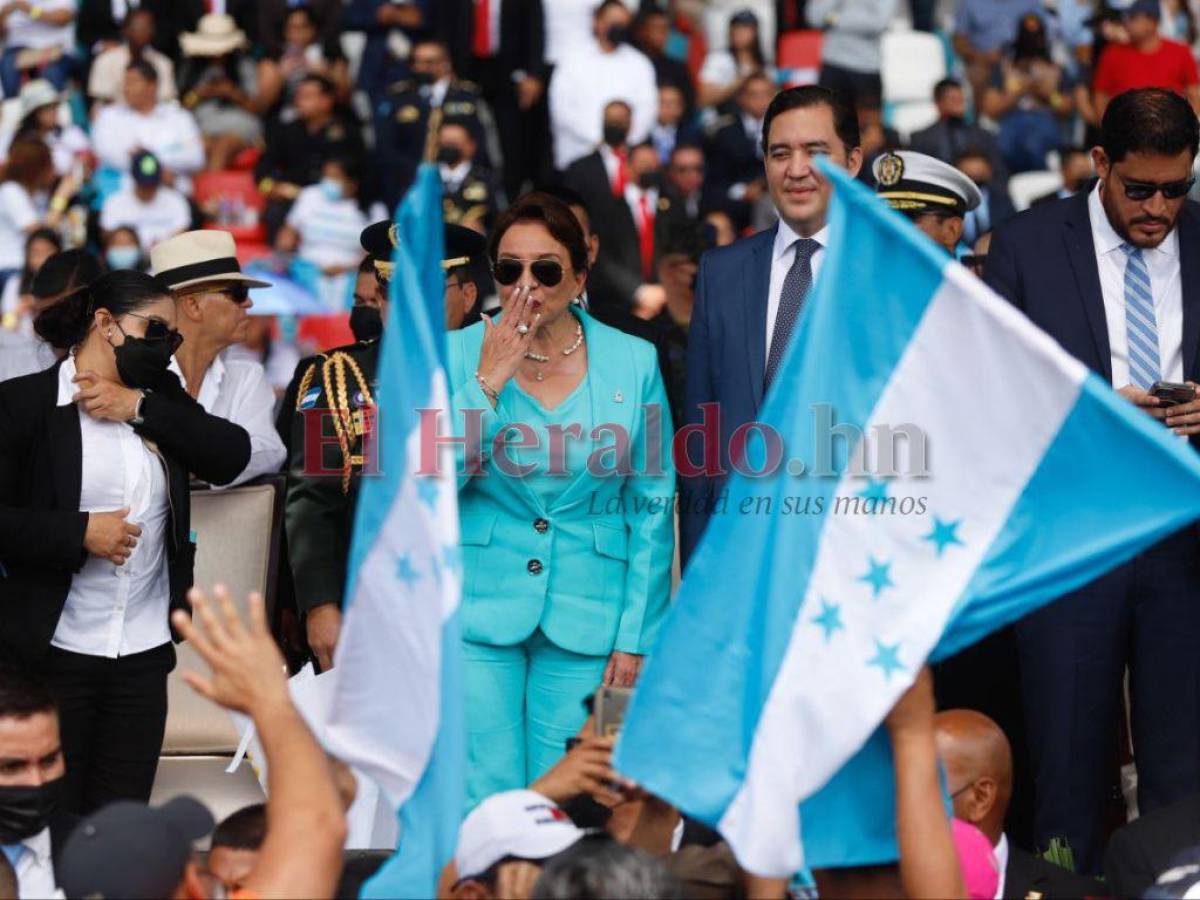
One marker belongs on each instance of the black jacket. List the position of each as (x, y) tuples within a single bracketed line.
[(522, 35), (41, 526), (1145, 848), (1028, 875)]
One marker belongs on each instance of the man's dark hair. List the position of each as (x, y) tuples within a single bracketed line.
[(22, 695), (845, 118), (601, 7), (972, 153), (144, 69), (1148, 120), (946, 84), (242, 830), (569, 196), (682, 147), (327, 87)]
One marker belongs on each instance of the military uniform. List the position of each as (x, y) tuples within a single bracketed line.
[(336, 400), (474, 201), (406, 125)]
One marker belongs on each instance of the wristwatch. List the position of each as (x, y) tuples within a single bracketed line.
[(137, 410)]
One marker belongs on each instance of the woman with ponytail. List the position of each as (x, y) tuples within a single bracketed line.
[(95, 548)]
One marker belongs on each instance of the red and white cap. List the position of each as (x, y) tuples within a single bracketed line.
[(521, 824)]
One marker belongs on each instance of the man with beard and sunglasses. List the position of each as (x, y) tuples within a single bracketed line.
[(213, 303), (1113, 275)]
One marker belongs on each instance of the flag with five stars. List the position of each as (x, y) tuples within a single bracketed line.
[(1015, 476), (397, 709)]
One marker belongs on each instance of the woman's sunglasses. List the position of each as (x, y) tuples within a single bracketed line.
[(548, 272), (1144, 190), (158, 330)]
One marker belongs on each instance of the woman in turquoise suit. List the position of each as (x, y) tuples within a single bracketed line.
[(567, 514)]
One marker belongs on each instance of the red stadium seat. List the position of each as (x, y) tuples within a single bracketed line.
[(799, 57), (230, 200)]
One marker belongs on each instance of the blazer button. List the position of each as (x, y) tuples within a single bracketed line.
[(534, 567), (541, 526)]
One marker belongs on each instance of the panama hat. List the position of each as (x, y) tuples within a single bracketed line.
[(215, 35), (196, 257)]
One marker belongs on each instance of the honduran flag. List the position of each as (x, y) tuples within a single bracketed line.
[(797, 629), (397, 710)]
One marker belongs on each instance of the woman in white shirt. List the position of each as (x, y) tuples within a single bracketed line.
[(323, 227), (95, 539), (28, 177), (724, 70)]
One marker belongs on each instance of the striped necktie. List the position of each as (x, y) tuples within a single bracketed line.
[(1141, 329), (795, 287)]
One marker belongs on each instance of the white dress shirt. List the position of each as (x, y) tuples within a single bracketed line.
[(1163, 265), (587, 81), (116, 610), (168, 131), (569, 25), (35, 869), (783, 254), (236, 389), (1001, 851)]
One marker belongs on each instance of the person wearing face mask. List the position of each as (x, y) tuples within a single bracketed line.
[(951, 134), (95, 459), (995, 206), (471, 193), (213, 315), (594, 75), (32, 831), (123, 249), (566, 579), (154, 209)]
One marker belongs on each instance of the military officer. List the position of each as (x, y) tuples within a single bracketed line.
[(471, 193), (408, 118), (934, 195)]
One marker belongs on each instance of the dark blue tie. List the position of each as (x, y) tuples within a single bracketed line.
[(791, 300)]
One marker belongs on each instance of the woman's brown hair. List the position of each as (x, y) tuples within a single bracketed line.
[(538, 206), (28, 160)]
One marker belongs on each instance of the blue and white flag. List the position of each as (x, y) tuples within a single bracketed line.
[(397, 711), (794, 633)]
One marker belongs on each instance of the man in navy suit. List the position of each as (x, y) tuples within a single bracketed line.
[(749, 294), (1113, 274)]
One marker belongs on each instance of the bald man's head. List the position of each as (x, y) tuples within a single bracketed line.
[(978, 765)]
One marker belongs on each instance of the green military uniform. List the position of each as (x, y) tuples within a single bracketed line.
[(336, 394)]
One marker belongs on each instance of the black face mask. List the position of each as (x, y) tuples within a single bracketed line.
[(449, 154), (617, 34), (366, 322), (956, 121), (142, 362), (614, 134), (26, 809), (423, 78), (647, 180)]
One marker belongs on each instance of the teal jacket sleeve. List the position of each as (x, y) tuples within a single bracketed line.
[(472, 417), (648, 501)]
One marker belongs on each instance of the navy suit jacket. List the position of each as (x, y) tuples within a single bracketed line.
[(726, 363), (1044, 262)]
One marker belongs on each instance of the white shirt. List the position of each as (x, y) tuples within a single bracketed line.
[(18, 214), (569, 24), (35, 868), (783, 254), (235, 388), (584, 83), (168, 131), (1163, 265), (23, 30), (1001, 851), (164, 216), (107, 78), (115, 610), (23, 354), (452, 176)]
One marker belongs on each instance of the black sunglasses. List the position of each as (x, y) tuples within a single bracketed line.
[(1144, 190), (238, 292), (158, 330), (548, 272)]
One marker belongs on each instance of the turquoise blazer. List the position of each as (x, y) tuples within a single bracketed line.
[(594, 569)]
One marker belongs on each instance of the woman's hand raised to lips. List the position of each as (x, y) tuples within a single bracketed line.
[(110, 537), (105, 399), (504, 346)]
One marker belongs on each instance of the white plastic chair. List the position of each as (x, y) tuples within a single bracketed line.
[(913, 62), (1028, 186)]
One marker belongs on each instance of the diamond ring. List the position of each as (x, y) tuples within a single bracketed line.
[(522, 328)]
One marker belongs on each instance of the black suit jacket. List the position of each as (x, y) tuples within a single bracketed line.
[(95, 22), (1044, 262), (1141, 851), (945, 141), (618, 270), (522, 35), (732, 156), (41, 526), (1028, 874)]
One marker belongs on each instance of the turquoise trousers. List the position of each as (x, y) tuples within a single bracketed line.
[(522, 703)]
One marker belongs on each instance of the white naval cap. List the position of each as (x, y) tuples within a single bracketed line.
[(915, 183)]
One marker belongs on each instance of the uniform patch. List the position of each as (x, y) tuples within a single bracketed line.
[(408, 114), (476, 191), (309, 400)]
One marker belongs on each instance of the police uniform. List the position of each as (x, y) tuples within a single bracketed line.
[(474, 200), (406, 125)]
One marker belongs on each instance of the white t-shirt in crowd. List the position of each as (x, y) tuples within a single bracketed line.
[(168, 131), (23, 30), (107, 77), (329, 231), (66, 143), (569, 23), (163, 217), (17, 213)]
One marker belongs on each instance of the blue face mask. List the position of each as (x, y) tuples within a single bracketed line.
[(123, 257), (331, 188)]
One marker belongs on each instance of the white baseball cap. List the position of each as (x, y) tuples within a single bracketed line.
[(522, 823)]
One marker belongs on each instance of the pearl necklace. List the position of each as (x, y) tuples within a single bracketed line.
[(540, 358)]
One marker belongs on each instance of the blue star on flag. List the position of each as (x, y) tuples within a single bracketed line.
[(427, 491), (886, 659), (944, 534), (405, 571), (830, 619), (877, 576), (876, 492)]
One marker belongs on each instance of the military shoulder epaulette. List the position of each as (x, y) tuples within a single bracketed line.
[(401, 87), (467, 86)]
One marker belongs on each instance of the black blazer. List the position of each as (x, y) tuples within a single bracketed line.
[(41, 468), (522, 35), (1145, 848), (1027, 875), (1044, 262)]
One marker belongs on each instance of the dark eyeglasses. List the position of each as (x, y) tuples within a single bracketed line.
[(1144, 190), (237, 292), (548, 272), (157, 330)]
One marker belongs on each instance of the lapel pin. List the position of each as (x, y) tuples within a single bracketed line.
[(618, 397)]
